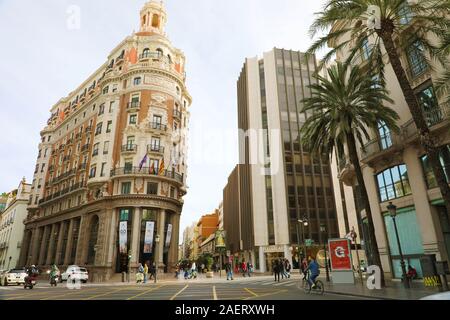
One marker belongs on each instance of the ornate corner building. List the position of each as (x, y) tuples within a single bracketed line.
[(111, 169)]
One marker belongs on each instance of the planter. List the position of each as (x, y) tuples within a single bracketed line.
[(210, 274)]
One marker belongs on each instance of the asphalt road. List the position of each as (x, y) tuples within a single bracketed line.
[(257, 289)]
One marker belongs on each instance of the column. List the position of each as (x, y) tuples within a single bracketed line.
[(111, 237), (51, 245), (81, 243), (161, 229), (34, 251), (69, 243), (422, 206), (135, 234), (60, 242), (173, 250), (42, 253)]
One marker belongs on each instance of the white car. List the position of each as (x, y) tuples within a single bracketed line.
[(14, 276), (75, 273)]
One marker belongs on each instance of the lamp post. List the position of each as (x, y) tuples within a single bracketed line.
[(393, 213), (354, 236), (156, 255), (323, 229), (304, 223)]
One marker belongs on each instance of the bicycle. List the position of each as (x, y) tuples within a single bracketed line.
[(307, 288)]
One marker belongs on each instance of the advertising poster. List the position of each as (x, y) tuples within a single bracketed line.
[(148, 238), (220, 239), (169, 235), (123, 237), (340, 254)]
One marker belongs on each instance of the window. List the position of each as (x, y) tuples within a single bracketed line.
[(128, 166), (130, 141), (39, 154), (172, 192), (146, 53), (154, 166), (385, 135), (95, 150), (105, 90), (102, 172), (159, 52), (133, 119), (126, 187), (137, 81), (152, 188), (109, 126), (98, 130), (101, 109), (114, 88), (125, 215), (444, 157), (157, 119), (106, 147), (93, 171), (430, 107), (111, 106), (155, 144), (417, 62), (393, 183), (405, 13), (43, 167), (366, 49)]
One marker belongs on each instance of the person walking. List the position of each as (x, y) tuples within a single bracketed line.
[(229, 270), (152, 271), (243, 268), (288, 268), (145, 272), (249, 269), (304, 268), (281, 266), (276, 270), (194, 270)]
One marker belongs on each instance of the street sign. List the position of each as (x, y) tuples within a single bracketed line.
[(309, 242)]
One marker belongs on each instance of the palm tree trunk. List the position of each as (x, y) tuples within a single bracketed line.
[(353, 154), (426, 139)]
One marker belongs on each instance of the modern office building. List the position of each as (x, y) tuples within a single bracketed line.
[(396, 169), (278, 182), (111, 166), (12, 227)]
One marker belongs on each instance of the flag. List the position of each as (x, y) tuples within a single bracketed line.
[(152, 168), (161, 168), (144, 160)]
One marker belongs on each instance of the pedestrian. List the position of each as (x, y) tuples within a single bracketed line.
[(282, 270), (145, 272), (194, 270), (249, 269), (243, 268), (304, 268), (202, 268), (140, 274), (152, 271), (276, 270), (229, 270), (288, 268)]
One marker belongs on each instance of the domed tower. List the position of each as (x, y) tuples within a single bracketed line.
[(153, 17)]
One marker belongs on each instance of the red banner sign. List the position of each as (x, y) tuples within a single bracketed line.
[(340, 254)]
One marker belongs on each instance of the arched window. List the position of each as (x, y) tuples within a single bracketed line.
[(93, 234), (160, 52), (155, 21), (146, 53)]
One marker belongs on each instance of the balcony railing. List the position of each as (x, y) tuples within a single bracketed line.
[(129, 148), (134, 105), (378, 145), (147, 171), (85, 148), (155, 148), (75, 187), (158, 126), (432, 117), (177, 114)]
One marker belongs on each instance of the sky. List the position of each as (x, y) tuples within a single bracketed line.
[(44, 58)]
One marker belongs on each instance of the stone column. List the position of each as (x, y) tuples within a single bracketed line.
[(161, 229), (422, 206), (135, 235), (42, 253), (69, 243), (111, 236), (173, 250), (51, 245), (81, 245), (35, 247), (60, 242)]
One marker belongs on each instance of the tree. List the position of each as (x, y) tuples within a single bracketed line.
[(420, 25), (341, 110)]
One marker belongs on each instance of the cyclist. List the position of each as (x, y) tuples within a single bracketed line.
[(313, 268)]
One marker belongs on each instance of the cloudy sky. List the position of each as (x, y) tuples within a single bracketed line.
[(43, 60)]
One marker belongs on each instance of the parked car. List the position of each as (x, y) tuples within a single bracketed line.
[(75, 273), (13, 276)]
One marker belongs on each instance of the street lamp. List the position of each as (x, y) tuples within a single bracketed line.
[(354, 236), (156, 255), (393, 213), (323, 229), (304, 223)]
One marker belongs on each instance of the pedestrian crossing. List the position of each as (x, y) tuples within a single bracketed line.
[(283, 283)]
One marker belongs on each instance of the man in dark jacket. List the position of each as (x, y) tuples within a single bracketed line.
[(276, 270)]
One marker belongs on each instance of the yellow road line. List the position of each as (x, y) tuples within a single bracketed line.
[(178, 293), (214, 293), (73, 292), (251, 292), (104, 294), (145, 292), (268, 294)]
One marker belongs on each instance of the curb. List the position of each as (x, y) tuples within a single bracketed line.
[(359, 295)]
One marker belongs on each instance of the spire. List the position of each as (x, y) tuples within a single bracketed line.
[(153, 17)]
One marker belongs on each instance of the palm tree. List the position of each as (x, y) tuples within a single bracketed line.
[(443, 83), (342, 108), (395, 24)]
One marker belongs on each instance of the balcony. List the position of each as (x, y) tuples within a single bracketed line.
[(133, 106), (417, 76), (380, 149), (346, 171), (88, 129), (82, 166), (129, 148), (158, 126), (436, 118), (177, 114), (155, 148), (145, 171), (85, 148)]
